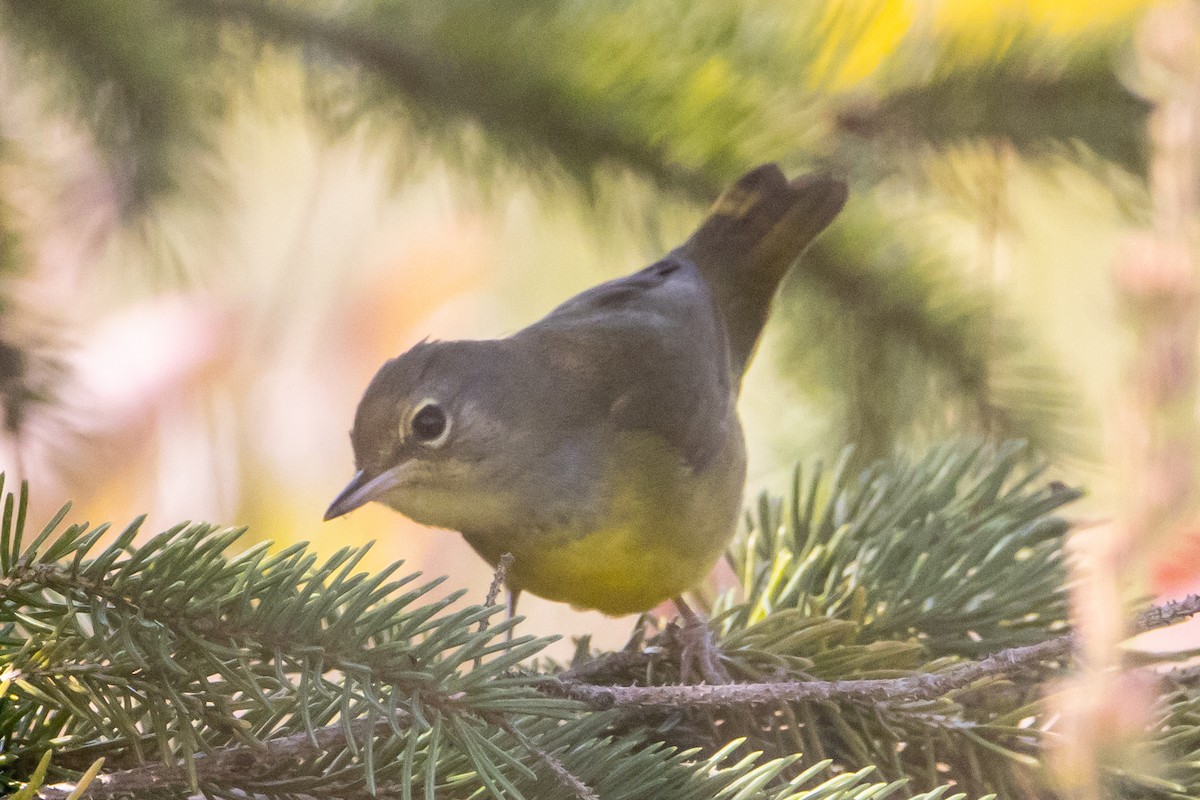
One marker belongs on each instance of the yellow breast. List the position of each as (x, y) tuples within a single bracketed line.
[(660, 531), (613, 570)]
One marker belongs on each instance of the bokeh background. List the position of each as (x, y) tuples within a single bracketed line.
[(219, 217)]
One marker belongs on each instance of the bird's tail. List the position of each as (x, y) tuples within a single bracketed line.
[(751, 236)]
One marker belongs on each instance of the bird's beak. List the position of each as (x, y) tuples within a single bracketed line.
[(362, 489)]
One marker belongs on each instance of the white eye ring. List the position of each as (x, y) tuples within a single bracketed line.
[(428, 424)]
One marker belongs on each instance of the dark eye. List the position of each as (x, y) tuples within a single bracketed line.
[(429, 423)]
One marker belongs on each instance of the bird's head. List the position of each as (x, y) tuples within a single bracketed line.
[(434, 434)]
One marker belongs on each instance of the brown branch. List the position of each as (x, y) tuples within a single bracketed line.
[(1184, 676), (499, 578), (908, 689), (1167, 614), (915, 687), (228, 763)]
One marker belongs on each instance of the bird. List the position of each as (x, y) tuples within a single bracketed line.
[(600, 446)]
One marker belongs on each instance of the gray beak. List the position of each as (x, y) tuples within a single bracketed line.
[(362, 489)]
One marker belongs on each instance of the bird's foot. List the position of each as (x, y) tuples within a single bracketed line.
[(699, 653)]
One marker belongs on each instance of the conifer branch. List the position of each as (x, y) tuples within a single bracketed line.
[(535, 109), (891, 690), (1167, 614), (317, 680), (1037, 108), (228, 765), (564, 776), (894, 690)]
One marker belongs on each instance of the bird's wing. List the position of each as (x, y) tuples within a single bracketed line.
[(652, 350), (663, 349)]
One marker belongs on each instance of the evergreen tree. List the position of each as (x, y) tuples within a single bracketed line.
[(894, 635)]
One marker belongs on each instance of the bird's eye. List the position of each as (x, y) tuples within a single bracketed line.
[(429, 423)]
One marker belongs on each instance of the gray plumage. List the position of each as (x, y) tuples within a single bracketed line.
[(613, 416)]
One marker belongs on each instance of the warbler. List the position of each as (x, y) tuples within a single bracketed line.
[(600, 446)]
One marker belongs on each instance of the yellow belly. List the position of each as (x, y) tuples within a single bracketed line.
[(660, 531), (613, 571)]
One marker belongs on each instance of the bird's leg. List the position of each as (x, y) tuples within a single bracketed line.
[(699, 648)]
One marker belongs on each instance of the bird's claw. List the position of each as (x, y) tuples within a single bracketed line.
[(699, 653)]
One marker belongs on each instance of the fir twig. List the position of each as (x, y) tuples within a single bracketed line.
[(1167, 614), (227, 765), (500, 578), (564, 776), (907, 689)]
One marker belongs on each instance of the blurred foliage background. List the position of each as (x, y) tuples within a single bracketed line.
[(220, 216)]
